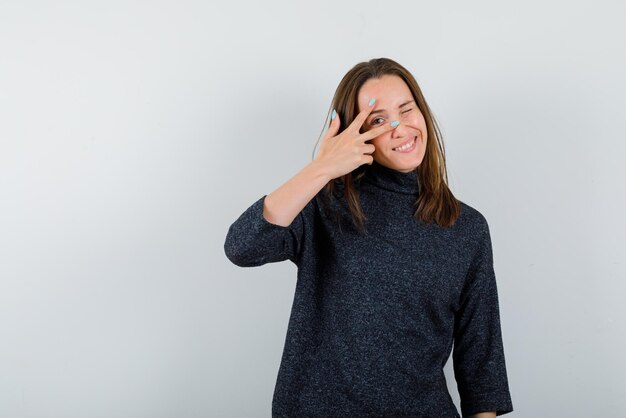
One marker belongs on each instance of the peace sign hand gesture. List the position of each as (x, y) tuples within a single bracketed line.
[(341, 154)]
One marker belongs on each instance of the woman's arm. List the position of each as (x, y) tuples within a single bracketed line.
[(272, 228), (484, 415), (478, 354), (285, 203), (273, 232)]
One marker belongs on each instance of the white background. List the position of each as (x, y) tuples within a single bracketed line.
[(132, 134)]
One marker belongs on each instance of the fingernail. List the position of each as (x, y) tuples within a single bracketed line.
[(395, 123), (372, 102), (333, 115)]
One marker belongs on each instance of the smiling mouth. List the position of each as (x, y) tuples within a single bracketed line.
[(406, 145)]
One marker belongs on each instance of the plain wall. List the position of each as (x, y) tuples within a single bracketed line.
[(132, 134)]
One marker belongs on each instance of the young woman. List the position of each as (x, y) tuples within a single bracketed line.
[(392, 268)]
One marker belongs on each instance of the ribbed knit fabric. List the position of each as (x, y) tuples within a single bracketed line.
[(375, 315)]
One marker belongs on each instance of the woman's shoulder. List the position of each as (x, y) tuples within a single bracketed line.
[(471, 217)]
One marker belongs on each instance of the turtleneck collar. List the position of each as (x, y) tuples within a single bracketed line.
[(390, 179)]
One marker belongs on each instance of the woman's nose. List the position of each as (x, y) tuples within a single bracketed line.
[(399, 131)]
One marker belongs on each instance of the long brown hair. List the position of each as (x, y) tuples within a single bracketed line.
[(435, 203)]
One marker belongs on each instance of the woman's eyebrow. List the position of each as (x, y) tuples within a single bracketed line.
[(383, 110)]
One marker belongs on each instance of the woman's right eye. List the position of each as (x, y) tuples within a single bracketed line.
[(374, 121)]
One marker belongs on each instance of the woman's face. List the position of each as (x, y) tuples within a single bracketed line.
[(394, 101)]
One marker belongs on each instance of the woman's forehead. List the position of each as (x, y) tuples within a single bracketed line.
[(389, 91)]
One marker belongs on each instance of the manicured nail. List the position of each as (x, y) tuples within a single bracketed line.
[(333, 115), (372, 102), (395, 123)]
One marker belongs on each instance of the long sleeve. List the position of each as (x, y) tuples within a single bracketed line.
[(253, 241), (478, 355)]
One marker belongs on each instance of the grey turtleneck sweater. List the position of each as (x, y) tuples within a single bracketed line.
[(375, 315)]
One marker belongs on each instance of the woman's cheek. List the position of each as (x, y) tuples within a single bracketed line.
[(416, 120)]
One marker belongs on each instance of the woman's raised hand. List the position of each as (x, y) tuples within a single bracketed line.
[(341, 154)]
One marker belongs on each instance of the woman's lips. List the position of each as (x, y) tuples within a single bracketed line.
[(411, 148)]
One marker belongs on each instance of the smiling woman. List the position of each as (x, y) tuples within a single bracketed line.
[(415, 145), (393, 270)]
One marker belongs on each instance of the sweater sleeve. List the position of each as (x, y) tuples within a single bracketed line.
[(253, 241), (478, 354)]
